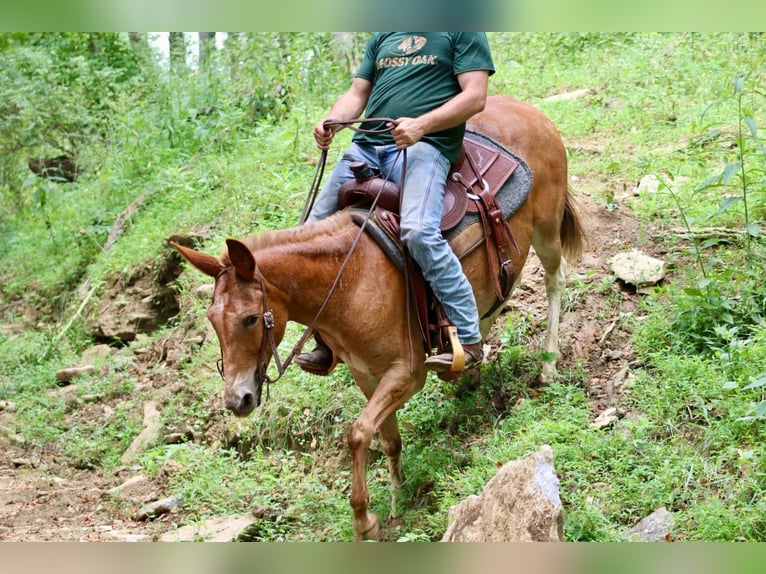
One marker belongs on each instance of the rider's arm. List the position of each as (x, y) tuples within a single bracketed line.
[(349, 106), (469, 101)]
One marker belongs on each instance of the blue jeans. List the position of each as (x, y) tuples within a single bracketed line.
[(421, 212)]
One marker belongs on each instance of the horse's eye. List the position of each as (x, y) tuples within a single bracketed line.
[(251, 320)]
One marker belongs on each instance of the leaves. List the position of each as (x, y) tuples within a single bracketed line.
[(759, 382), (750, 122), (726, 204)]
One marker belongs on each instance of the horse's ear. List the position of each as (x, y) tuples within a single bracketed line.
[(208, 264), (242, 259)]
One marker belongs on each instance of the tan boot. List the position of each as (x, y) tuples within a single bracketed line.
[(443, 362)]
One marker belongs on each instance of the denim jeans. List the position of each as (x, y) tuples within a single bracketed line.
[(421, 212)]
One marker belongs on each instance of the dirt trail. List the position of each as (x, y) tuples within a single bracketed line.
[(44, 498)]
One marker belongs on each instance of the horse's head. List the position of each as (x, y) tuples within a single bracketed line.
[(242, 319)]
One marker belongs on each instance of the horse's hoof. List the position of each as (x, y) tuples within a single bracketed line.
[(372, 530)]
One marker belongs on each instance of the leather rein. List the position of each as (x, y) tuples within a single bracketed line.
[(261, 375)]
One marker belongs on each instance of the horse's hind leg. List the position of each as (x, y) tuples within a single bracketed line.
[(548, 249)]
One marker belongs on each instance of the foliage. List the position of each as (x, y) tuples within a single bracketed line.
[(226, 147)]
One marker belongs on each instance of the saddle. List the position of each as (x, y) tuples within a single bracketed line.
[(472, 186)]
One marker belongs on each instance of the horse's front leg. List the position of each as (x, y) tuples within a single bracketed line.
[(392, 446), (379, 413), (359, 437)]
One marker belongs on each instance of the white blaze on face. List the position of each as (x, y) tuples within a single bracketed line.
[(238, 386)]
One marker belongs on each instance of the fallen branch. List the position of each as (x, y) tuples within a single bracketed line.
[(77, 314), (122, 218), (707, 233)]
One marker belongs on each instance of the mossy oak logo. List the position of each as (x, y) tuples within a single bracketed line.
[(411, 44), (403, 54)]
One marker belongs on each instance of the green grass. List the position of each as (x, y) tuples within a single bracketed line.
[(692, 435)]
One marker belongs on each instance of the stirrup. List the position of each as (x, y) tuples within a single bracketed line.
[(461, 357)]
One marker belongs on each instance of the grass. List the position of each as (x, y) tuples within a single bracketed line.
[(691, 436)]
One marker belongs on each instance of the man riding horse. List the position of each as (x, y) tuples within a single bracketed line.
[(430, 83)]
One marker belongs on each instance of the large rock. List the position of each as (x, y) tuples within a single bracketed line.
[(519, 504), (638, 268)]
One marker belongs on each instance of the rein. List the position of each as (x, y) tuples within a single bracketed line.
[(261, 375), (319, 172)]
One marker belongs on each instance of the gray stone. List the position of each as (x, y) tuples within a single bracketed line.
[(649, 184), (66, 374), (605, 419), (128, 488), (520, 503), (654, 528), (157, 508), (222, 529)]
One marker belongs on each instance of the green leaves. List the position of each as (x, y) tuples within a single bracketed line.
[(759, 382)]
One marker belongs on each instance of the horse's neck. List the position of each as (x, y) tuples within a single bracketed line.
[(303, 272)]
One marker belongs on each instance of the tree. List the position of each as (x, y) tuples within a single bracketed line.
[(206, 47), (177, 50)]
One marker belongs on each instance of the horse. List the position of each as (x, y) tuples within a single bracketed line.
[(265, 280)]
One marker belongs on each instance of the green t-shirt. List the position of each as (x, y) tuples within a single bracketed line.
[(415, 72)]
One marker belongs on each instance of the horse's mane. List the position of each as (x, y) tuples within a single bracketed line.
[(314, 231)]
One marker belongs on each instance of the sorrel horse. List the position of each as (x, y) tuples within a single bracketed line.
[(365, 321)]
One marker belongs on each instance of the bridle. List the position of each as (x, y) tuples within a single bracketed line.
[(261, 375), (268, 332)]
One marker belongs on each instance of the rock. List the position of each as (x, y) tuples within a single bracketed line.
[(648, 184), (148, 437), (66, 374), (605, 419), (223, 529), (654, 528), (205, 291), (130, 486), (96, 354), (116, 536), (157, 508), (637, 269), (13, 438), (129, 311), (520, 503)]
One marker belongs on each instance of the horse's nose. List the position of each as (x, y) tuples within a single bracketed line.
[(242, 405), (248, 402)]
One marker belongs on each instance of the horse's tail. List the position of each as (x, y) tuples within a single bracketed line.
[(571, 231)]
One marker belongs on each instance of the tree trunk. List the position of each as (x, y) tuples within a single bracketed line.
[(177, 46), (206, 47), (138, 38)]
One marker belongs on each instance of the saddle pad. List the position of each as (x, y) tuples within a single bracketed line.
[(494, 165), (509, 197)]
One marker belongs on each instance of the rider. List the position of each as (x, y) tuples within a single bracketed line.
[(430, 83)]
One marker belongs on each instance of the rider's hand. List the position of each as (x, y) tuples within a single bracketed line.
[(406, 132), (323, 134)]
